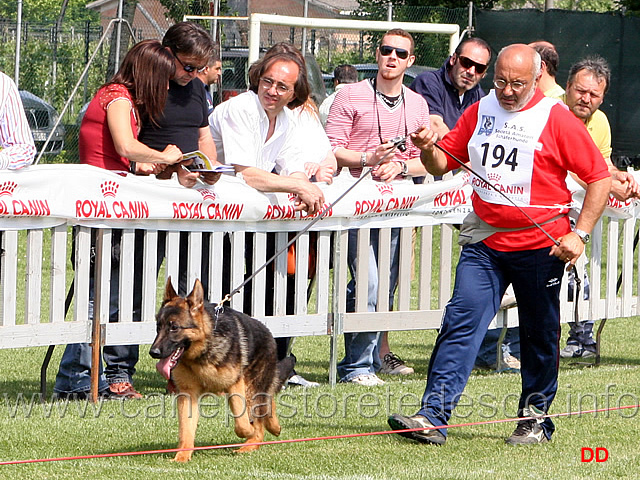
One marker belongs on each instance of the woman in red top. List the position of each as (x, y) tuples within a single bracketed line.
[(108, 139), (136, 93)]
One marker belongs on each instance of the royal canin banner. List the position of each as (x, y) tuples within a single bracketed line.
[(46, 195)]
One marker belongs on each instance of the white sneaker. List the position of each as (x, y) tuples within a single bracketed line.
[(394, 365), (366, 380), (299, 381), (577, 351)]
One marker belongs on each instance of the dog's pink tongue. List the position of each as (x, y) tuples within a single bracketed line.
[(164, 367)]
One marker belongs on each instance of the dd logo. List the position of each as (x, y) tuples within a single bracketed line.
[(601, 454)]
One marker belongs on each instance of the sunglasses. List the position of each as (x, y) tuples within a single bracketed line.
[(468, 63), (189, 68), (385, 51)]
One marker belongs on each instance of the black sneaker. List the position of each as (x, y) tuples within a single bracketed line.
[(427, 435), (529, 430)]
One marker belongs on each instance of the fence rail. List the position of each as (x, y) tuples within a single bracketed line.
[(35, 278)]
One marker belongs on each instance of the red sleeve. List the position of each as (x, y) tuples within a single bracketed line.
[(576, 151), (114, 91)]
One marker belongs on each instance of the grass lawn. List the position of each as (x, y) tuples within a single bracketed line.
[(476, 452)]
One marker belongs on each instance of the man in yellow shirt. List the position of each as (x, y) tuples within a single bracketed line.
[(587, 85)]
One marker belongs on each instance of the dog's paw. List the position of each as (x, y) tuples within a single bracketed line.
[(182, 457), (247, 449)]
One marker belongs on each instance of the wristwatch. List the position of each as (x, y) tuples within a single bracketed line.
[(404, 167), (363, 159), (584, 236)]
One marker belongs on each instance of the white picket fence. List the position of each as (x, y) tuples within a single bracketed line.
[(34, 280)]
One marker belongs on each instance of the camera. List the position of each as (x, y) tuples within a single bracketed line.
[(400, 142)]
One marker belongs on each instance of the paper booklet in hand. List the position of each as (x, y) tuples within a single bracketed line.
[(201, 163)]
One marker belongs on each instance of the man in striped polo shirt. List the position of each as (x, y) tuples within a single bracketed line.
[(362, 120)]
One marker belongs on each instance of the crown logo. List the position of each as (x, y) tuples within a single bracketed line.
[(207, 194), (494, 177), (384, 188), (292, 197), (7, 188), (109, 188)]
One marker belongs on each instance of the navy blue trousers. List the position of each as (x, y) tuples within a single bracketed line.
[(482, 277)]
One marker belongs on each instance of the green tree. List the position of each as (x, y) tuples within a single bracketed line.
[(430, 49), (630, 7), (47, 11)]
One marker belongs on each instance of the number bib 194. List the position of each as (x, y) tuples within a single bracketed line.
[(502, 149)]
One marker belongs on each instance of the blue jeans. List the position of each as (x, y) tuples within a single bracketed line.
[(74, 373), (361, 349), (482, 276)]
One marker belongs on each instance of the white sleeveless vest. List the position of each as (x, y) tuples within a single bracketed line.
[(502, 149)]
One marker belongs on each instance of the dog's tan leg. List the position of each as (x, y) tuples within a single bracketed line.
[(271, 421), (240, 409), (188, 414), (257, 437)]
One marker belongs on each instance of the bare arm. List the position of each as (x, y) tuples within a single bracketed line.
[(119, 123), (438, 126), (207, 146), (433, 159), (323, 171)]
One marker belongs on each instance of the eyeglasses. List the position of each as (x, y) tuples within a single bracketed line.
[(189, 68), (515, 86), (281, 88), (468, 63), (385, 51)]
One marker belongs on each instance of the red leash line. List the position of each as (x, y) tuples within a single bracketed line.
[(299, 440)]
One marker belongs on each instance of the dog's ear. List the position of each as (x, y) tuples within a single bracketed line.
[(196, 297), (169, 292)]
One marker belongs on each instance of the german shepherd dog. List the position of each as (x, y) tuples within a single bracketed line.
[(230, 354)]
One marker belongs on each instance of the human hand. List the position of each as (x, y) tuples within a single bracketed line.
[(322, 173), (424, 138), (311, 168), (382, 154), (388, 171), (186, 177), (149, 168), (624, 185), (310, 198), (569, 249), (171, 154), (210, 177)]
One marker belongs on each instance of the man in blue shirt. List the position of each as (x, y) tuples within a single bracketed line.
[(450, 90), (210, 75)]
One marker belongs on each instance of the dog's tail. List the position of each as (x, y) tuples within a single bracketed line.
[(285, 369)]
